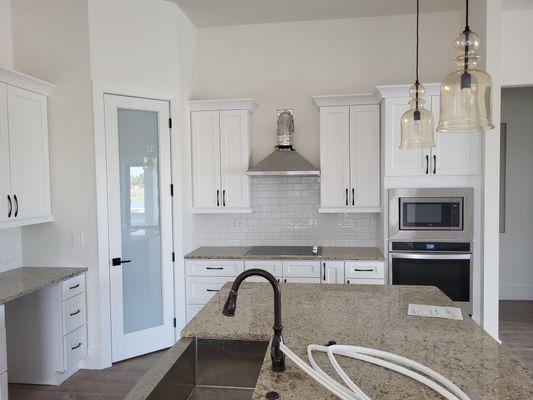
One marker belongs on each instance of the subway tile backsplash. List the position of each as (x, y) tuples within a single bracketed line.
[(285, 212), (10, 249)]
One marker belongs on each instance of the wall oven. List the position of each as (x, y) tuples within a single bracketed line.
[(446, 265)]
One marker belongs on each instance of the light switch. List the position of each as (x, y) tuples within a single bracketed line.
[(77, 239)]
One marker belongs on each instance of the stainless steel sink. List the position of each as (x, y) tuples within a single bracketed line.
[(213, 370)]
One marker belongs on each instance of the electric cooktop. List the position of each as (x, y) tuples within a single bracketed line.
[(284, 251)]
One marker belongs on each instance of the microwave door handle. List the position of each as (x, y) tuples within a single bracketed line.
[(440, 256)]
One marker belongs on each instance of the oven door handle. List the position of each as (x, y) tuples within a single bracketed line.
[(441, 256)]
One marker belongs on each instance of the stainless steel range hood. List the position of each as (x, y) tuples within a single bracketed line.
[(284, 160)]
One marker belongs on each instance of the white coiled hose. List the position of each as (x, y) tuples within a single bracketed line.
[(402, 365)]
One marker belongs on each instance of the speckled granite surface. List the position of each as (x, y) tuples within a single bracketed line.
[(328, 253), (22, 281), (370, 316)]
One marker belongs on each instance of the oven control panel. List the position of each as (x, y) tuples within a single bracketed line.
[(463, 247)]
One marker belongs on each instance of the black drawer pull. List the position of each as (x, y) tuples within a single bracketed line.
[(74, 287), (17, 204), (364, 270), (212, 290), (75, 313), (214, 268), (76, 347), (10, 206)]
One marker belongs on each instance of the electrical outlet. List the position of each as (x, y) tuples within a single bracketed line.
[(77, 239)]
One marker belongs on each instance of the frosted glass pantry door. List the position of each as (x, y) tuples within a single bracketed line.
[(140, 227)]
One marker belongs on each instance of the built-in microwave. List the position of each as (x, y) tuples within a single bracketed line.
[(431, 214)]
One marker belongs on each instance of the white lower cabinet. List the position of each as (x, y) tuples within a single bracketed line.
[(333, 272), (3, 386), (51, 350), (365, 270), (301, 280), (301, 269)]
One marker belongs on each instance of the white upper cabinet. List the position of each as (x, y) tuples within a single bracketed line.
[(453, 154), (24, 163), (221, 150), (350, 177)]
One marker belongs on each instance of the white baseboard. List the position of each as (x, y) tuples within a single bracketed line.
[(93, 359), (510, 291)]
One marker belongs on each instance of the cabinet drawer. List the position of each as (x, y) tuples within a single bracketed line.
[(75, 347), (3, 351), (192, 310), (301, 280), (73, 287), (364, 281), (306, 269), (74, 313), (274, 267), (364, 269), (200, 289), (214, 268), (3, 386)]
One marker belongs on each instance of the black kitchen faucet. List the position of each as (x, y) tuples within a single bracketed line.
[(277, 356)]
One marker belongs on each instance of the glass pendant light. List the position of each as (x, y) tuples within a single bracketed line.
[(465, 94), (417, 122)]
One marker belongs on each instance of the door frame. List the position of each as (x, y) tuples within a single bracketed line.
[(100, 341)]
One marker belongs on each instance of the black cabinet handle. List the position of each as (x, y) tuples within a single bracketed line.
[(215, 268), (346, 196), (324, 266), (427, 165), (76, 347), (284, 280), (218, 198), (74, 287), (118, 261), (10, 206), (75, 313), (224, 197), (363, 270), (348, 281), (211, 290), (17, 204), (434, 164), (353, 196)]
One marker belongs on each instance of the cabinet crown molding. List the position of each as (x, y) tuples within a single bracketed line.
[(432, 89), (346, 99), (223, 104), (27, 82)]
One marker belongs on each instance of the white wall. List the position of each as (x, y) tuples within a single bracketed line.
[(516, 56), (284, 64), (51, 42), (6, 40), (516, 252)]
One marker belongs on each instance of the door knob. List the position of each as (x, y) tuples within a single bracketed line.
[(118, 261)]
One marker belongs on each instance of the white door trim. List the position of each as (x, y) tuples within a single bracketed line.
[(99, 354)]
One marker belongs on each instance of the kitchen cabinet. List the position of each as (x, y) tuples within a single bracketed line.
[(453, 154), (24, 158), (350, 158), (51, 351), (204, 278), (221, 152)]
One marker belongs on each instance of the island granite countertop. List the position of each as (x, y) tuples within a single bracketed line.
[(364, 315), (327, 253), (19, 282)]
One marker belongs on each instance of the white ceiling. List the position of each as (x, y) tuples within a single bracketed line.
[(208, 13)]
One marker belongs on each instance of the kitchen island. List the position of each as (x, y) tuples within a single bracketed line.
[(363, 315)]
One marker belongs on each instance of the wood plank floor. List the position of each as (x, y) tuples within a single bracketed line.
[(516, 330), (109, 384)]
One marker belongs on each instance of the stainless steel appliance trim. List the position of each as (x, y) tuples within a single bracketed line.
[(403, 200), (432, 256)]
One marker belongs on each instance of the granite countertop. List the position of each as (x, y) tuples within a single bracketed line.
[(364, 315), (328, 253), (19, 282)]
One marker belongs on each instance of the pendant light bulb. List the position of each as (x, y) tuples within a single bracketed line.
[(465, 94), (417, 122)]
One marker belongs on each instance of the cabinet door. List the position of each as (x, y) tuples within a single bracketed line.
[(234, 158), (400, 162), (365, 175), (333, 272), (454, 153), (334, 157), (206, 159), (28, 150), (5, 185)]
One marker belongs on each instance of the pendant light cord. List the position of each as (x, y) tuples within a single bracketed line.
[(467, 28), (417, 83), (467, 34)]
